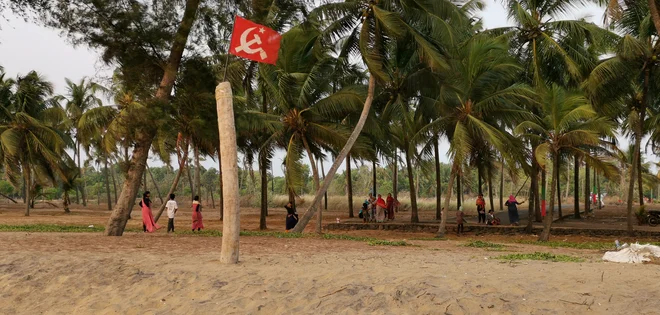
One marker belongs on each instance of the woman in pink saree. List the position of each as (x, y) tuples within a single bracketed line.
[(148, 224), (197, 223)]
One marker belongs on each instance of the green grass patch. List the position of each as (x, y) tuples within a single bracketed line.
[(482, 244), (540, 256), (576, 245), (50, 228), (387, 243)]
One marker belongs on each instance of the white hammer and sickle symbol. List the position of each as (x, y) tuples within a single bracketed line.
[(245, 44)]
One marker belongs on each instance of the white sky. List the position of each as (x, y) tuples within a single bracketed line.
[(25, 47)]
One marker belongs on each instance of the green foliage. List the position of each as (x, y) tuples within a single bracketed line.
[(387, 243), (540, 256), (576, 245), (49, 228)]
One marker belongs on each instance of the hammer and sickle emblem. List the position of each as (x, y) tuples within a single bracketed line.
[(246, 45)]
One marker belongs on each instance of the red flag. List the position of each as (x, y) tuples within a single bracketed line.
[(255, 42)]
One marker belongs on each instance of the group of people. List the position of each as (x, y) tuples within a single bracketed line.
[(490, 219), (378, 209), (150, 226)]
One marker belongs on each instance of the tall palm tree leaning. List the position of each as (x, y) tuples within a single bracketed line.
[(373, 24), (568, 124)]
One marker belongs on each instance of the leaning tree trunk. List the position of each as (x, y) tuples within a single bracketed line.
[(107, 184), (121, 213), (66, 201), (151, 175), (263, 172), (442, 229), (10, 198), (229, 156), (191, 183), (315, 174), (175, 183), (395, 180), (304, 220), (349, 186), (414, 215), (325, 196), (114, 182), (640, 184), (598, 190), (547, 221), (459, 192), (438, 182), (576, 189), (655, 14), (542, 205)]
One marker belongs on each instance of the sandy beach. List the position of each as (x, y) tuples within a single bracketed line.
[(73, 273)]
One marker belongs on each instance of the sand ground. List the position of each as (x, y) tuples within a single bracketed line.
[(72, 273), (87, 273)]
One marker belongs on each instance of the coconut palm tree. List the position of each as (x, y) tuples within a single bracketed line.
[(32, 129), (568, 125), (80, 98), (627, 83)]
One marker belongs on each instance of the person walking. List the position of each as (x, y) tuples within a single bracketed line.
[(172, 208), (512, 205), (148, 224), (197, 223)]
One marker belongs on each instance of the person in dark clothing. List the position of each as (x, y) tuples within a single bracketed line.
[(481, 208), (291, 217), (512, 205)]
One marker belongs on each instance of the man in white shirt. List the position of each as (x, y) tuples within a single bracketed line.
[(172, 207)]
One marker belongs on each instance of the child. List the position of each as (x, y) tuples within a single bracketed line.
[(460, 218), (491, 217), (172, 207)]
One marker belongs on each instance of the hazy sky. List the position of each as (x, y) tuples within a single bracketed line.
[(25, 47)]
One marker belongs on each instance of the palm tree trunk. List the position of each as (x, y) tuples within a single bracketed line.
[(442, 229), (198, 175), (175, 183), (349, 186), (190, 183), (640, 184), (542, 205), (315, 174), (107, 184), (144, 180), (211, 193), (598, 190), (459, 192), (374, 169), (490, 190), (66, 201), (75, 156), (576, 189), (502, 186), (10, 198), (568, 180), (587, 192), (26, 177), (479, 181), (631, 185), (155, 185), (263, 169), (395, 180), (304, 220), (229, 156), (114, 182), (325, 196), (559, 213), (98, 195), (414, 216), (438, 181), (547, 222), (83, 188), (533, 195)]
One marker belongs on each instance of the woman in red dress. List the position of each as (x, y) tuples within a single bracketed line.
[(197, 223)]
